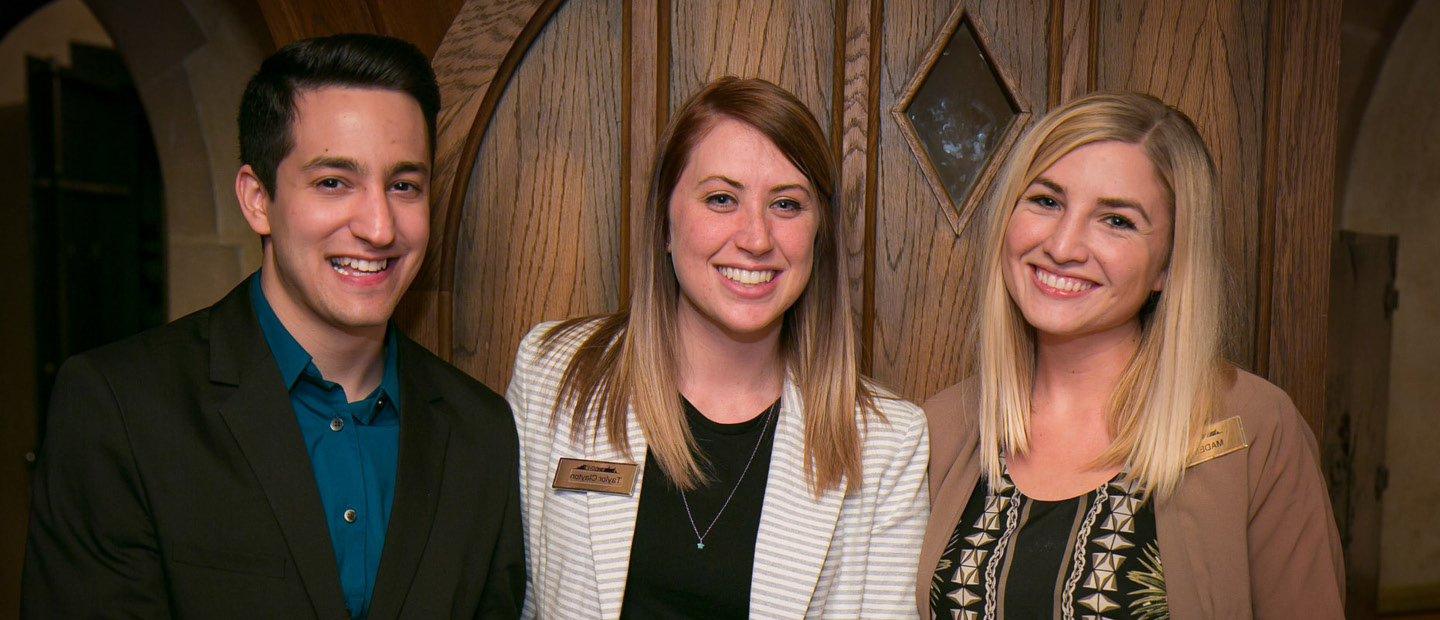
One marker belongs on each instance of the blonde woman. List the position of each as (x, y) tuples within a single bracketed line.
[(712, 451), (1105, 461)]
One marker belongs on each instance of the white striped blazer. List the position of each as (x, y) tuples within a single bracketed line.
[(836, 557)]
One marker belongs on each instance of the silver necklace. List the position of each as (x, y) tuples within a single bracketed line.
[(699, 537)]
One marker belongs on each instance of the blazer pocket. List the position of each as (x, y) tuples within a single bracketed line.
[(232, 561)]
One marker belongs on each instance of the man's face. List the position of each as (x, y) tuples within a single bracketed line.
[(350, 215)]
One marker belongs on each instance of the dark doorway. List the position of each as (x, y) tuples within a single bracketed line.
[(96, 210)]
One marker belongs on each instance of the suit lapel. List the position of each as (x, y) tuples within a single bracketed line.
[(612, 520), (423, 437), (795, 528), (263, 423)]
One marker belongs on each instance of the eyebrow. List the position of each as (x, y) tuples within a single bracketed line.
[(723, 179), (347, 164), (1108, 202), (790, 186), (342, 163), (738, 185), (409, 166), (1050, 185)]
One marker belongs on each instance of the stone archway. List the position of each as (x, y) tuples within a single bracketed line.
[(1390, 184), (190, 60)]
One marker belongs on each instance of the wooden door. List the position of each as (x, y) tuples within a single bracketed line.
[(552, 109), (1358, 381), (97, 217)]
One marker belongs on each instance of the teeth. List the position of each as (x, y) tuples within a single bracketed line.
[(746, 276), (361, 265), (1069, 285)]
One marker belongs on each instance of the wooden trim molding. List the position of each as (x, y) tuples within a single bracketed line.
[(1293, 271), (474, 64), (855, 133), (960, 215), (837, 79), (644, 86), (875, 53), (1072, 49)]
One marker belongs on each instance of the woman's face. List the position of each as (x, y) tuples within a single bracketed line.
[(743, 221), (1088, 242)]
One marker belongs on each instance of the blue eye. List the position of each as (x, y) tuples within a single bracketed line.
[(1044, 202), (786, 204), (1116, 221), (720, 200), (329, 183)]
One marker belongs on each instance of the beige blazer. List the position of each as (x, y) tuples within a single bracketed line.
[(1247, 534), (837, 556)]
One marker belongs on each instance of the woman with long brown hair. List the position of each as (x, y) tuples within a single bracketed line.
[(711, 449), (1106, 461)]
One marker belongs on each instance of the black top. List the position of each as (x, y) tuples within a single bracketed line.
[(1093, 556), (671, 576)]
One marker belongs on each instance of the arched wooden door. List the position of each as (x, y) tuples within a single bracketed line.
[(552, 109)]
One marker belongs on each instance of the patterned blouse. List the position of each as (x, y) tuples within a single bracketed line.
[(1093, 556)]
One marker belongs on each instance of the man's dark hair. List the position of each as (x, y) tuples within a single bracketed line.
[(267, 109)]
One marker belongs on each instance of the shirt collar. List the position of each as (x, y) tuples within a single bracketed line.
[(289, 355), (295, 361)]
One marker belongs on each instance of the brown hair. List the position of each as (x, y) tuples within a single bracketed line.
[(628, 362)]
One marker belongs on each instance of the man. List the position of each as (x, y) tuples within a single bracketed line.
[(287, 452)]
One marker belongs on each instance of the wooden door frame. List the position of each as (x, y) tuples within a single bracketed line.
[(1302, 71)]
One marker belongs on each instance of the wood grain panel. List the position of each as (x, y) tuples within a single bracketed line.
[(645, 50), (1208, 60), (472, 66), (923, 270), (857, 132), (291, 21), (422, 24), (789, 42), (1072, 24), (539, 237), (1302, 76)]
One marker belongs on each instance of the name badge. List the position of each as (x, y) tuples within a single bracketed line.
[(601, 476), (1220, 439)]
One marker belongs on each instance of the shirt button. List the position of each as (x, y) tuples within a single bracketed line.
[(336, 424), (350, 515), (380, 403)]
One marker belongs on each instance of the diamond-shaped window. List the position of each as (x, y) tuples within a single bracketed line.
[(958, 115)]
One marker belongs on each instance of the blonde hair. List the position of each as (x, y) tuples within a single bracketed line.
[(1167, 394), (628, 361)]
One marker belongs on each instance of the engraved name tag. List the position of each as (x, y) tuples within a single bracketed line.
[(601, 476), (1219, 439)]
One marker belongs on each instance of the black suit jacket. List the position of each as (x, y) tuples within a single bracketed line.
[(174, 481)]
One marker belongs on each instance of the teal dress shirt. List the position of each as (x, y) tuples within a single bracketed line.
[(353, 447)]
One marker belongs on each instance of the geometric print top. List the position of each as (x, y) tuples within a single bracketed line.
[(1093, 556)]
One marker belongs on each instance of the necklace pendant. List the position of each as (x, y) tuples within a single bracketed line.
[(699, 545)]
